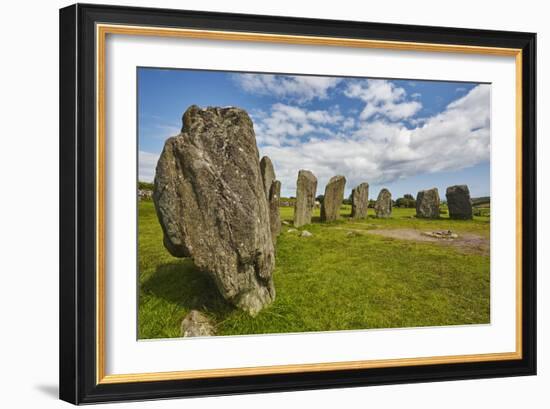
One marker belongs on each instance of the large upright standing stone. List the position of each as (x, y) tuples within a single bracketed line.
[(383, 206), (268, 179), (459, 203), (211, 204), (332, 201), (427, 204), (360, 201), (306, 187), (268, 174), (274, 216)]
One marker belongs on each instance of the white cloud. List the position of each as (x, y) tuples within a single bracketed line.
[(379, 151), (384, 98), (348, 123), (286, 124), (461, 133), (383, 143), (300, 89), (147, 166)]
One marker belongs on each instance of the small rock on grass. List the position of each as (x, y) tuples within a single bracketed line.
[(292, 230), (441, 234), (305, 233), (196, 324)]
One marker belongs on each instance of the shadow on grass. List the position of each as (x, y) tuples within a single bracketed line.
[(182, 283)]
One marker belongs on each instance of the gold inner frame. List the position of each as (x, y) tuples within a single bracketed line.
[(101, 33)]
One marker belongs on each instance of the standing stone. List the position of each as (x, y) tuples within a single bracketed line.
[(427, 204), (382, 206), (459, 203), (268, 174), (274, 217), (306, 188), (332, 201), (360, 201), (211, 204)]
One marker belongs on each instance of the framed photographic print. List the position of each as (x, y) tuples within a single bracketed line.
[(258, 203)]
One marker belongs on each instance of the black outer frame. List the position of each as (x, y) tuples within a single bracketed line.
[(78, 197)]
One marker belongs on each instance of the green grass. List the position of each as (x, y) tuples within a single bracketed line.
[(331, 281)]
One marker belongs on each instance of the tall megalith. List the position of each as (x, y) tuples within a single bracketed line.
[(383, 205), (274, 216), (306, 188), (211, 204), (360, 201), (427, 204), (332, 201), (459, 203), (268, 174)]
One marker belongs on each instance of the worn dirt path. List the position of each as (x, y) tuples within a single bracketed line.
[(466, 242)]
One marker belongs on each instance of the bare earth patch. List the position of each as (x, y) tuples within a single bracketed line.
[(466, 242)]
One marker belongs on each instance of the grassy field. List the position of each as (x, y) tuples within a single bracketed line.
[(342, 278)]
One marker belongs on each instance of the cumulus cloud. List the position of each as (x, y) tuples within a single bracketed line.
[(384, 141), (287, 125), (147, 165), (299, 89), (384, 98), (377, 151)]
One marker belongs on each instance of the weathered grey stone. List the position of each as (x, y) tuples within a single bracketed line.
[(211, 204), (306, 233), (332, 201), (274, 216), (360, 201), (196, 324), (306, 188), (383, 204), (459, 203), (427, 204), (268, 174)]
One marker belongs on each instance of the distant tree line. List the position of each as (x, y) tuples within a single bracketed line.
[(287, 201), (406, 201), (478, 201), (145, 185)]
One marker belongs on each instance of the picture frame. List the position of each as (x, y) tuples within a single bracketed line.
[(83, 218)]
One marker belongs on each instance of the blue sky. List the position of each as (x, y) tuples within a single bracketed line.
[(404, 135)]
